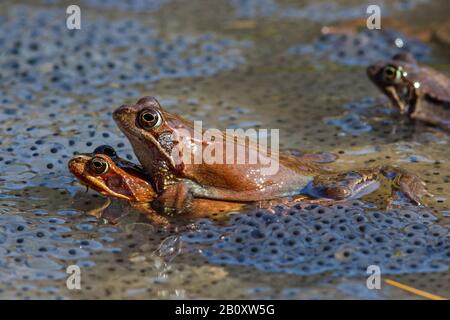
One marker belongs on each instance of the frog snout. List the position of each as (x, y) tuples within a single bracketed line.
[(123, 109), (372, 70), (76, 164)]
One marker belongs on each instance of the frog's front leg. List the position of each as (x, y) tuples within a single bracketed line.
[(175, 199)]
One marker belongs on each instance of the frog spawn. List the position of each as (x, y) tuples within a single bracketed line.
[(77, 63), (124, 52), (320, 12), (349, 123), (362, 48), (129, 5), (355, 120), (342, 239), (38, 247)]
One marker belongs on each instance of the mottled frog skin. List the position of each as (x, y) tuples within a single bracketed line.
[(417, 91)]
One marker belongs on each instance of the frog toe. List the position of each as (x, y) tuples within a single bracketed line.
[(413, 188)]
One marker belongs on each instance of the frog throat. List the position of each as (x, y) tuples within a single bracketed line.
[(150, 142)]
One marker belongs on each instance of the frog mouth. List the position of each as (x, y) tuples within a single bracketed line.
[(102, 188)]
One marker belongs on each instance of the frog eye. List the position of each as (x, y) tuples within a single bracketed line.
[(391, 74), (149, 119), (98, 166)]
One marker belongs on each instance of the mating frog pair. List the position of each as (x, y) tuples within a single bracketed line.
[(105, 172), (181, 186)]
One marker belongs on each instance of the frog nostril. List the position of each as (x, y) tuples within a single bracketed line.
[(372, 70), (71, 163), (121, 110), (75, 164)]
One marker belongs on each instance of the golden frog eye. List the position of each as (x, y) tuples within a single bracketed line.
[(98, 166), (149, 119), (391, 74)]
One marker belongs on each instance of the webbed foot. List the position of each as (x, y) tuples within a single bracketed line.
[(359, 183), (407, 183)]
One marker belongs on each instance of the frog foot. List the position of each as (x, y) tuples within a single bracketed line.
[(405, 182), (356, 184)]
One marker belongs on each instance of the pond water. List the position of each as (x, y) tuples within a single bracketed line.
[(232, 64)]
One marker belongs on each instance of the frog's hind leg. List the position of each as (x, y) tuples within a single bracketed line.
[(318, 201), (153, 216), (360, 183), (405, 182), (343, 186)]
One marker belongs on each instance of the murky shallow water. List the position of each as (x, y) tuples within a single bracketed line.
[(231, 66)]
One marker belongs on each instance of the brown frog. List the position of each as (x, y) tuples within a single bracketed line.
[(155, 136), (417, 91), (119, 178)]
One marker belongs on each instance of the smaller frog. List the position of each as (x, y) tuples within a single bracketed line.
[(102, 174), (105, 172), (417, 91)]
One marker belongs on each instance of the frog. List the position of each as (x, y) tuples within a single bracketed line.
[(114, 177), (109, 177), (418, 92), (153, 133)]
